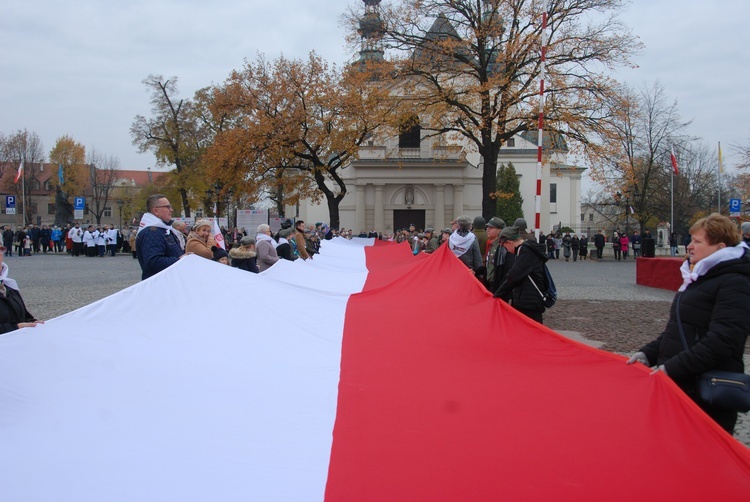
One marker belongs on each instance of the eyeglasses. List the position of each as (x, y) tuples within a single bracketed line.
[(168, 206)]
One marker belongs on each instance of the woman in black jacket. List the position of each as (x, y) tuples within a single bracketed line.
[(13, 312), (528, 266), (712, 303)]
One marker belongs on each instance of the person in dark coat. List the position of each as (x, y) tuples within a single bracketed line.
[(284, 249), (156, 243), (599, 244), (8, 240), (712, 304), (13, 311), (528, 266), (244, 256), (584, 247)]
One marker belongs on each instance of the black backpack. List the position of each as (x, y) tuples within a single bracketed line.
[(549, 297)]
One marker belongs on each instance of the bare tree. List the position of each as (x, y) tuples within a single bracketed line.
[(633, 155), (103, 171), (172, 133), (26, 147)]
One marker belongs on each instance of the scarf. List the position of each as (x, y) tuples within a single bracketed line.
[(263, 237), (707, 263), (460, 244), (5, 280), (150, 220)]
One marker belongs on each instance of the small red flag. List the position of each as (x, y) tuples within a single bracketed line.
[(19, 173), (674, 161)]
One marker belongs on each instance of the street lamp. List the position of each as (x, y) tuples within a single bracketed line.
[(120, 203)]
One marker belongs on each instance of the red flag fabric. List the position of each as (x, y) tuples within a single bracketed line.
[(674, 161), (19, 173), (462, 398), (396, 378)]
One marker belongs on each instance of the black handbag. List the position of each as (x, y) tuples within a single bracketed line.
[(721, 389)]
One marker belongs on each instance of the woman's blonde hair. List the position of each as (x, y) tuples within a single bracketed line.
[(719, 229)]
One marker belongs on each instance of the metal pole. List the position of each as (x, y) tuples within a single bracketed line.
[(538, 200)]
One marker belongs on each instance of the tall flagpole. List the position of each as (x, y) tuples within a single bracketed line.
[(23, 193), (718, 178), (671, 210), (540, 140)]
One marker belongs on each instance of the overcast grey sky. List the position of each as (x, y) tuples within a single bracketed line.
[(76, 67)]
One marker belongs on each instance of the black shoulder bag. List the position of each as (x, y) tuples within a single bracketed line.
[(720, 389)]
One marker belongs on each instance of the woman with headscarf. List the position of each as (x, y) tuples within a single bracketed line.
[(708, 321), (199, 240), (13, 312)]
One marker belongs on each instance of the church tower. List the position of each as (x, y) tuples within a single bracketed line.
[(371, 30)]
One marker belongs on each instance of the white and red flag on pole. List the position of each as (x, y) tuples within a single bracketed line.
[(218, 236), (19, 173), (673, 159)]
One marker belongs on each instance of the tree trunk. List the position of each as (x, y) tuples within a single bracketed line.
[(185, 202), (489, 178)]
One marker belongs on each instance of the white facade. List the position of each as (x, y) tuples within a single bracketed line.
[(390, 187)]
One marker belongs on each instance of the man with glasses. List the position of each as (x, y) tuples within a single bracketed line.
[(156, 244)]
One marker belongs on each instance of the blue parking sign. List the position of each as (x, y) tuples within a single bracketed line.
[(735, 206), (80, 203)]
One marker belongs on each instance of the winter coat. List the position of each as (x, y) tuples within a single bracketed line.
[(266, 254), (499, 263), (299, 238), (8, 238), (624, 243), (45, 235), (584, 245), (567, 243), (202, 248), (529, 262), (599, 240), (713, 310), (13, 311), (472, 258), (284, 250), (482, 237), (157, 250), (244, 259)]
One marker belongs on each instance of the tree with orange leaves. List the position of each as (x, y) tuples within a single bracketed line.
[(291, 126)]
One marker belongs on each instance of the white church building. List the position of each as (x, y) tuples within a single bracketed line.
[(426, 184), (428, 181)]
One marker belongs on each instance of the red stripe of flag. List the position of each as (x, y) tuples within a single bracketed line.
[(674, 161), (465, 399)]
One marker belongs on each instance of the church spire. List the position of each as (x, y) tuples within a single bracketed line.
[(371, 31)]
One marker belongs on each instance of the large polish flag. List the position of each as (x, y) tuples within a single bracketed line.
[(364, 374)]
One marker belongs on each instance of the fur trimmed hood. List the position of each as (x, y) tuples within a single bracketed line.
[(242, 253)]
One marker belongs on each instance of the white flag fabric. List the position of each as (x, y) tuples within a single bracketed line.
[(218, 236), (364, 374)]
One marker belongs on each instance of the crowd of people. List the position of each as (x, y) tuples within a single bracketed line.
[(91, 240), (160, 241)]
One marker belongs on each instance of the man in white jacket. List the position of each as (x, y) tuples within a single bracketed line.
[(76, 235), (112, 241)]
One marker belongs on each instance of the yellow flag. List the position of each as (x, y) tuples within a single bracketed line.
[(721, 164)]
